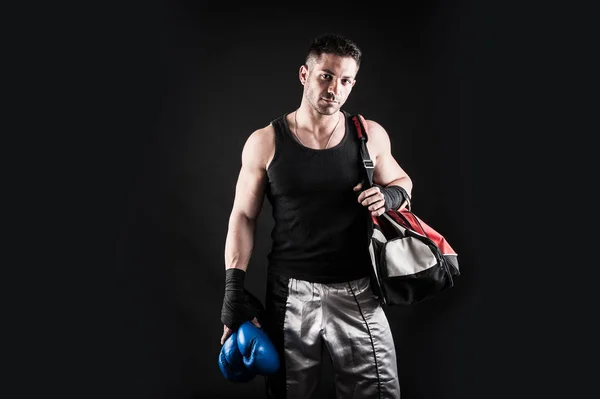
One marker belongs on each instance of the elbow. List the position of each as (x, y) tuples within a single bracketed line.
[(408, 184), (405, 182), (239, 218)]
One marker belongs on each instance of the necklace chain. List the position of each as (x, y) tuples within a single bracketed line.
[(298, 137)]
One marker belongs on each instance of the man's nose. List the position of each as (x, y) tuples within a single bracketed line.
[(333, 87)]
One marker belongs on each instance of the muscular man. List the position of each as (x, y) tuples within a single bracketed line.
[(307, 163)]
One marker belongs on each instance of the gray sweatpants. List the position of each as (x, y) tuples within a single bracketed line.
[(345, 317)]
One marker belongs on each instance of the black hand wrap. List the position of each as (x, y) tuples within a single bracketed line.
[(394, 196), (239, 305)]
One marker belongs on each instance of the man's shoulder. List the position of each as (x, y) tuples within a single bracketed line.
[(372, 127), (265, 133), (261, 141)]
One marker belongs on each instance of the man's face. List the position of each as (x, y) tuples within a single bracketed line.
[(328, 82)]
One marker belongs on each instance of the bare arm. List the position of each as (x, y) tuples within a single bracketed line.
[(249, 196), (387, 171)]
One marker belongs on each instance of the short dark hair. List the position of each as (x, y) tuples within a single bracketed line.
[(333, 43)]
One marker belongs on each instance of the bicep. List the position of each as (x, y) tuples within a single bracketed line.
[(387, 169), (250, 186)]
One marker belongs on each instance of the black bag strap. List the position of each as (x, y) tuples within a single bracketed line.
[(367, 162), (369, 167)]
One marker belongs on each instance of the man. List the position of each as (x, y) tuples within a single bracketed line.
[(307, 163)]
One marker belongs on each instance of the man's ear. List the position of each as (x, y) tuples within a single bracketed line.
[(303, 74)]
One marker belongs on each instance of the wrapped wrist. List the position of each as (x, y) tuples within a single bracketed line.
[(394, 196), (234, 279), (239, 305)]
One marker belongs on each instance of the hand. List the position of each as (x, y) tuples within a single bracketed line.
[(372, 198), (228, 331)]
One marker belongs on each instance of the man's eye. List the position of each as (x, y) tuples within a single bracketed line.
[(326, 76)]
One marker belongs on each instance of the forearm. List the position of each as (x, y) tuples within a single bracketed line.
[(240, 241), (239, 304)]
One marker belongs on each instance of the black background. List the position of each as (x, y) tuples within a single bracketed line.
[(164, 95), (232, 71)]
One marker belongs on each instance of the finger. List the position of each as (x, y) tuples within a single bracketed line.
[(256, 323), (224, 337), (226, 333), (378, 212), (368, 193), (377, 205), (373, 198), (377, 209), (357, 187)]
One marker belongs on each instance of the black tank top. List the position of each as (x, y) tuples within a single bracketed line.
[(320, 231)]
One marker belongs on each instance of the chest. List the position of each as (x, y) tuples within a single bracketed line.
[(305, 172)]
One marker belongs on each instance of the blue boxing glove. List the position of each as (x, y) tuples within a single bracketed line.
[(258, 353), (231, 361)]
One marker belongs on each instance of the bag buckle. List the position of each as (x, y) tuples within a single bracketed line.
[(368, 163)]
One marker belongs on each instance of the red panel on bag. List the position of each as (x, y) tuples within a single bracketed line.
[(409, 220)]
